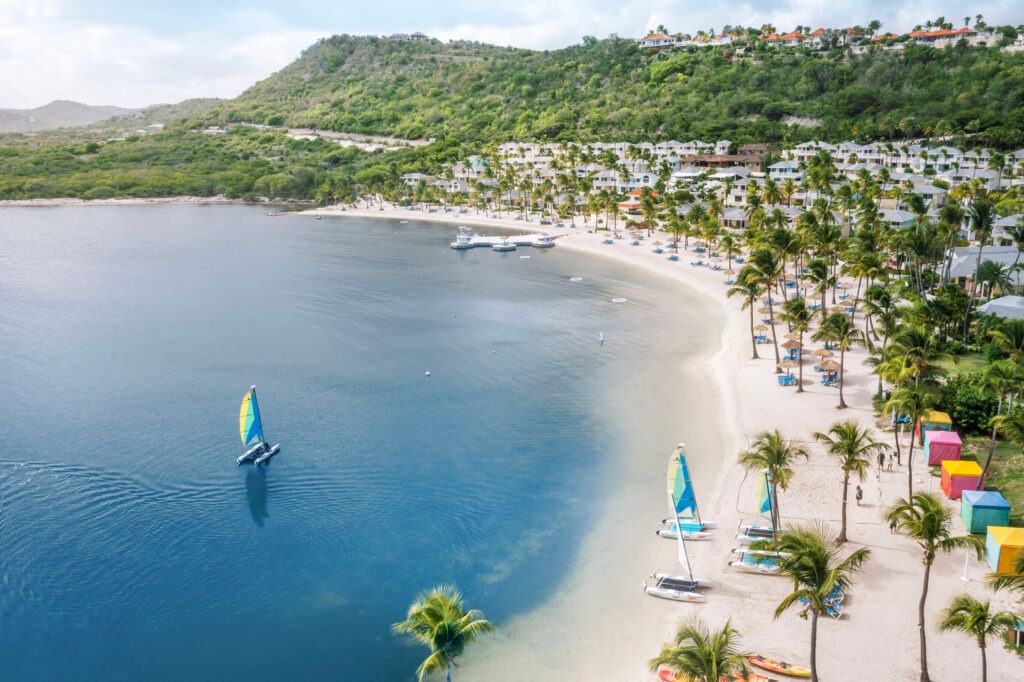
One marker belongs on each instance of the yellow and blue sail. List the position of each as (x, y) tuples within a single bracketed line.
[(683, 499), (764, 499), (249, 420)]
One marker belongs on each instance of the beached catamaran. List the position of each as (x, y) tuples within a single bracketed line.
[(685, 517), (749, 532), (758, 561), (251, 427), (678, 587)]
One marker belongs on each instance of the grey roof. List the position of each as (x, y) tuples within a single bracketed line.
[(1006, 306), (965, 258)]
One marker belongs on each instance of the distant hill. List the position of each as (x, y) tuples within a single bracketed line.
[(613, 90), (57, 114)]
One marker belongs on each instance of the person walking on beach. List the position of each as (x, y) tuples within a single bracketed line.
[(881, 460), (859, 495), (890, 462)]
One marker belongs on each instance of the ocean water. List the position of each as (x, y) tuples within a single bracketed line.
[(132, 547)]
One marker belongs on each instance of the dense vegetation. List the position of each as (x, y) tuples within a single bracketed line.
[(468, 96), (612, 90)]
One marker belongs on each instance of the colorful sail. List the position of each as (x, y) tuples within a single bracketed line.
[(684, 502), (764, 500), (249, 419)]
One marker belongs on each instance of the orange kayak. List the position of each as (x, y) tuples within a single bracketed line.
[(779, 666)]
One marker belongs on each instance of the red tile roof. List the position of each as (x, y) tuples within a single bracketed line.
[(657, 36)]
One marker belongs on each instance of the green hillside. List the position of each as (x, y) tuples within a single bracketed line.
[(613, 90), (469, 96)]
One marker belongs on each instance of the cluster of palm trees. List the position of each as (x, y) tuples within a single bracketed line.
[(818, 566)]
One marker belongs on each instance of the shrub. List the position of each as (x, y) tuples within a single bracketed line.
[(969, 405)]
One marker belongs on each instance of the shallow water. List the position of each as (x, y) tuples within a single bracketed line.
[(130, 543)]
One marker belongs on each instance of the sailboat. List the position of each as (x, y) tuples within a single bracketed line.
[(251, 428), (749, 532), (685, 518), (678, 587)]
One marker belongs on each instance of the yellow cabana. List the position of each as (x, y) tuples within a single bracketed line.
[(932, 420), (1002, 546)]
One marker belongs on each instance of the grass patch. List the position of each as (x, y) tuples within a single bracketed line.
[(1006, 473)]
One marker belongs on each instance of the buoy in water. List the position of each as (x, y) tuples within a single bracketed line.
[(427, 373)]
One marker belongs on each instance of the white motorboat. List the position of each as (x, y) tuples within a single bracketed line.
[(504, 245), (543, 243), (463, 240)]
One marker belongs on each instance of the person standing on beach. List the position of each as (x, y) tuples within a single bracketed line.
[(881, 461), (859, 495)]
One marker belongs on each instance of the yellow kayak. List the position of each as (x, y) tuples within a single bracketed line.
[(779, 666)]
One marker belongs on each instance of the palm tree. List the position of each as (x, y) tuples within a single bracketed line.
[(766, 268), (798, 315), (839, 330), (853, 447), (975, 618), (774, 455), (701, 655), (439, 620), (914, 401), (812, 560), (928, 522), (749, 287), (1002, 377), (982, 217)]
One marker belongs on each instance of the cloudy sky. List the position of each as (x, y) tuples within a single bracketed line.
[(135, 53)]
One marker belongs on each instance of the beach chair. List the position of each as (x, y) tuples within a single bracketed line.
[(760, 338), (658, 250), (786, 379), (738, 260), (673, 257), (729, 282), (819, 368), (635, 242), (696, 263)]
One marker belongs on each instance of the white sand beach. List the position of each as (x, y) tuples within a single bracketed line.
[(601, 626)]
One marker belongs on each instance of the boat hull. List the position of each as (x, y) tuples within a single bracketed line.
[(675, 595), (699, 582), (672, 533), (271, 451), (780, 667), (259, 453), (688, 525)]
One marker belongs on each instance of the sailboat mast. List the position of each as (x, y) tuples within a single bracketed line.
[(684, 560)]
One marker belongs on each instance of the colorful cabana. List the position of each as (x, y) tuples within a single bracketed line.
[(1002, 545), (959, 475), (932, 420), (983, 508), (941, 445)]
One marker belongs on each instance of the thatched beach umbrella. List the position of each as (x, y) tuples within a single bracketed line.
[(792, 344), (830, 365), (823, 352), (764, 310), (760, 327), (837, 309), (788, 364), (791, 335)]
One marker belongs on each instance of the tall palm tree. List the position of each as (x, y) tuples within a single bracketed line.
[(813, 561), (1002, 377), (928, 522), (701, 655), (839, 330), (774, 455), (982, 219), (439, 620), (767, 268), (914, 401), (975, 618), (798, 315), (854, 447), (748, 285)]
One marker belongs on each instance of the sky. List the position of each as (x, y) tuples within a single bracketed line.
[(137, 53)]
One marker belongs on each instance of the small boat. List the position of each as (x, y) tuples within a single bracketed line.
[(543, 243), (750, 533), (317, 217), (779, 666), (676, 588), (757, 561), (251, 427), (504, 245), (463, 240), (686, 517)]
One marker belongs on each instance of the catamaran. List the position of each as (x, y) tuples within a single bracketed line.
[(251, 428), (678, 587), (751, 532), (686, 518)]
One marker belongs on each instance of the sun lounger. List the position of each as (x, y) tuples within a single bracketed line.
[(738, 260), (696, 263), (786, 380)]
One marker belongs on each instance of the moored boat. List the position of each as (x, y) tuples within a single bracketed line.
[(504, 245), (543, 243)]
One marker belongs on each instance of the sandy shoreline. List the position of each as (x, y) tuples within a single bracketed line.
[(609, 636), (602, 627)]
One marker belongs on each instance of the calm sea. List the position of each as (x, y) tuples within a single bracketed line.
[(132, 547)]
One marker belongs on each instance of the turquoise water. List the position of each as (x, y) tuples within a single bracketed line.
[(132, 547)]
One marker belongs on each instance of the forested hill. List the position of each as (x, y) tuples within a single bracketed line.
[(612, 90)]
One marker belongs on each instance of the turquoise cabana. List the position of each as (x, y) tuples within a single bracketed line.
[(983, 508)]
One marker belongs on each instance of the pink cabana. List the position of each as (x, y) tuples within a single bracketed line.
[(940, 446), (959, 475)]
